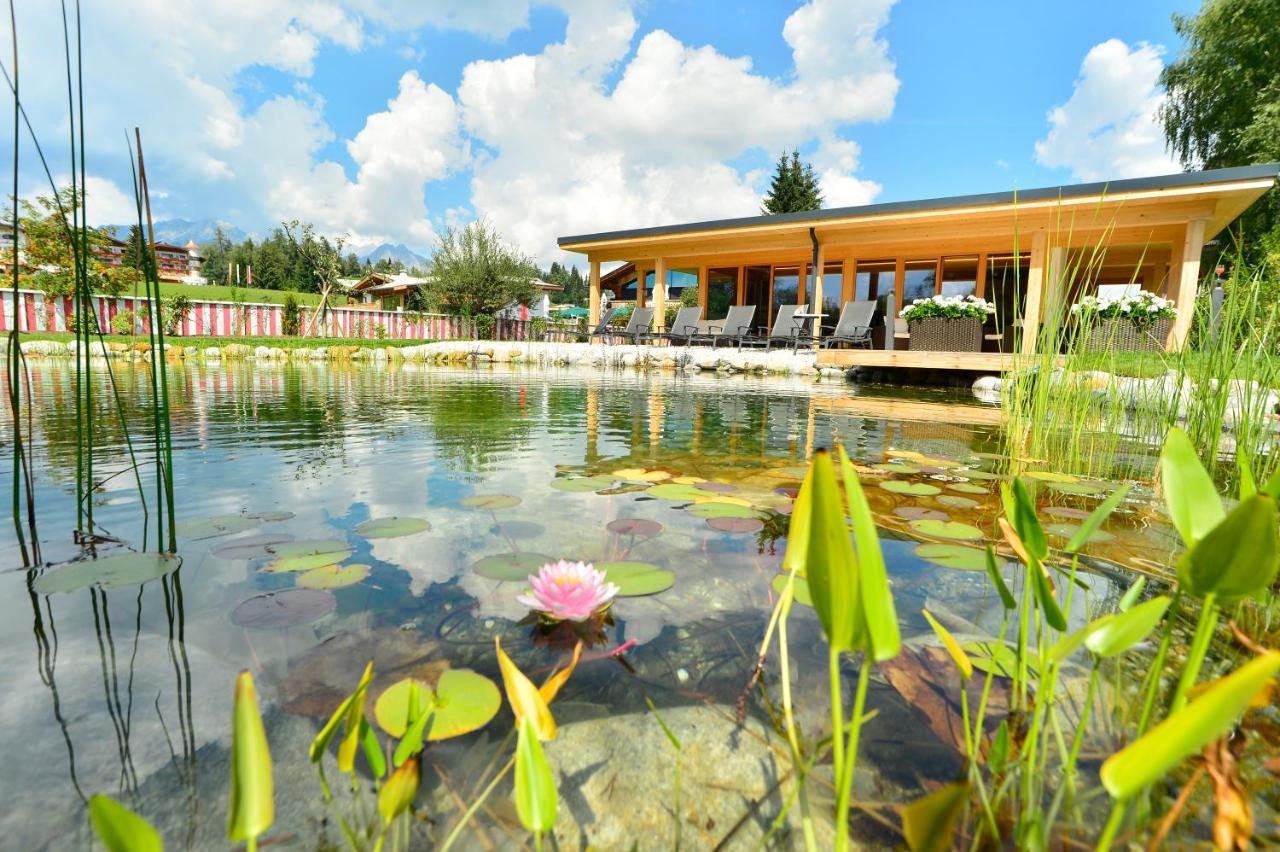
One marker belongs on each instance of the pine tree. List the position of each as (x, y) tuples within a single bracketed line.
[(134, 250), (794, 187)]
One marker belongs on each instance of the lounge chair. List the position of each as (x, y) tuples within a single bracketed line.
[(733, 328), (683, 328), (637, 327), (854, 326), (602, 328), (786, 331)]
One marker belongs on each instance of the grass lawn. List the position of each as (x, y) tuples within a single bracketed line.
[(205, 342), (216, 293)]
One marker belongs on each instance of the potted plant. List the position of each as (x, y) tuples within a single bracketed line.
[(1131, 323), (947, 323)]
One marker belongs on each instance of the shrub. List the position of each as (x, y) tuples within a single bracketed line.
[(948, 307), (116, 280), (124, 322), (291, 323), (72, 323), (689, 297), (485, 323), (53, 283), (380, 331), (174, 311)]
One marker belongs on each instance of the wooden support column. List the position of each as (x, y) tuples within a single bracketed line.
[(894, 304), (593, 305), (1184, 280), (848, 281), (640, 288), (593, 423), (815, 298), (1035, 293), (660, 294), (1055, 287), (703, 290), (980, 282)]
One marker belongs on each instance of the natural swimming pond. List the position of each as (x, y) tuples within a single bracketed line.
[(124, 686)]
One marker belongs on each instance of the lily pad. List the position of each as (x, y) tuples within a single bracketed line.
[(1066, 512), (581, 484), (957, 502), (510, 566), (891, 467), (270, 517), (1064, 530), (956, 556), (107, 572), (971, 473), (715, 509), (634, 526), (735, 525), (635, 579), (635, 474), (920, 513), (946, 529), (251, 547), (967, 488), (491, 501), (284, 608), (333, 576), (914, 489), (1050, 476), (687, 480), (305, 555), (195, 529), (1084, 489), (800, 590), (718, 487), (670, 491), (463, 701), (727, 499), (392, 527)]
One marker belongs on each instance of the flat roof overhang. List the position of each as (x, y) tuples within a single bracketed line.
[(1150, 210)]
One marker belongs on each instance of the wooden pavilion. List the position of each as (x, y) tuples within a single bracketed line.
[(1028, 252)]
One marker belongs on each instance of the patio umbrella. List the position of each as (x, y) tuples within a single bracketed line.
[(572, 313)]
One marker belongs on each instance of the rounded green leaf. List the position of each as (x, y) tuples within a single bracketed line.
[(491, 501), (1126, 629), (893, 467), (634, 526), (679, 493), (914, 489), (108, 572), (510, 566), (464, 701), (333, 576), (1084, 489), (195, 529), (284, 608), (391, 710), (1238, 556), (713, 509), (392, 527), (967, 488), (800, 590), (305, 555), (957, 556), (635, 579), (946, 529), (735, 525), (1050, 476), (955, 502), (581, 484)]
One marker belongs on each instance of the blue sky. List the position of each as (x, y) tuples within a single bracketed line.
[(389, 120)]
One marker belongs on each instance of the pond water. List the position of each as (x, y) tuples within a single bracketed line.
[(127, 690)]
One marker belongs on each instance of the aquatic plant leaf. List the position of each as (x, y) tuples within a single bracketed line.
[(1244, 472), (879, 619), (526, 701), (998, 754), (372, 750), (321, 743), (305, 555), (913, 489), (636, 579), (1081, 489), (953, 647), (1085, 532), (411, 743), (893, 467), (799, 590), (510, 566), (464, 701), (397, 795), (958, 556), (992, 656), (670, 491), (1041, 582), (966, 488), (1020, 509), (1236, 558), (1072, 531), (333, 576), (535, 786), (402, 704), (997, 579), (284, 608), (392, 527), (952, 501), (819, 546), (196, 529), (1187, 731), (491, 501), (735, 525), (1132, 594), (107, 572), (687, 480), (1189, 493), (120, 829), (637, 474), (551, 688), (581, 484), (1050, 476), (634, 526), (946, 529), (919, 513), (721, 509), (250, 798), (251, 547), (929, 822), (671, 737), (1126, 629)]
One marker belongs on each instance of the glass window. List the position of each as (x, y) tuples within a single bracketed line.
[(786, 291), (757, 291), (959, 276), (832, 290), (678, 279), (722, 292), (919, 280), (874, 279), (1118, 291), (1006, 286)]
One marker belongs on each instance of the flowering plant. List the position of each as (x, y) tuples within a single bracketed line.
[(1141, 308), (948, 307), (569, 591)]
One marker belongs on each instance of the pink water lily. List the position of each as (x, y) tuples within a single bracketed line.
[(569, 591)]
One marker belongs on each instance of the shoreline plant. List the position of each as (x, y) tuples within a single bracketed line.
[(948, 307)]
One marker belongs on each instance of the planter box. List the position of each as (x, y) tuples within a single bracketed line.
[(939, 334), (1123, 335)]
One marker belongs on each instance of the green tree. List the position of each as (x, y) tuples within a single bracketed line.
[(476, 273), (51, 247), (321, 258), (1223, 104), (794, 187), (216, 253), (135, 250)]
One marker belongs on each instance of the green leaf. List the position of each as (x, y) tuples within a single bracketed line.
[(510, 566), (491, 501), (958, 556), (1244, 470), (928, 823), (799, 589), (717, 509), (1189, 493), (914, 489), (333, 576), (373, 754), (392, 527), (636, 579), (401, 705), (535, 786), (108, 572), (411, 743), (397, 795), (671, 737), (464, 701), (957, 653), (1072, 642), (1126, 629), (321, 743), (997, 579), (1133, 593), (1043, 587), (1187, 731), (251, 799), (1236, 558), (1095, 519), (305, 555), (879, 618), (1020, 508), (195, 529), (998, 756), (120, 829), (819, 547), (946, 529)]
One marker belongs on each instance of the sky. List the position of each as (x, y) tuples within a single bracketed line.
[(393, 120)]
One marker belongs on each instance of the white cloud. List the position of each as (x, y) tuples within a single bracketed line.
[(1108, 128), (105, 203)]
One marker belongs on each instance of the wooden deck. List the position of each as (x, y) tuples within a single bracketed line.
[(888, 408), (982, 362)]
